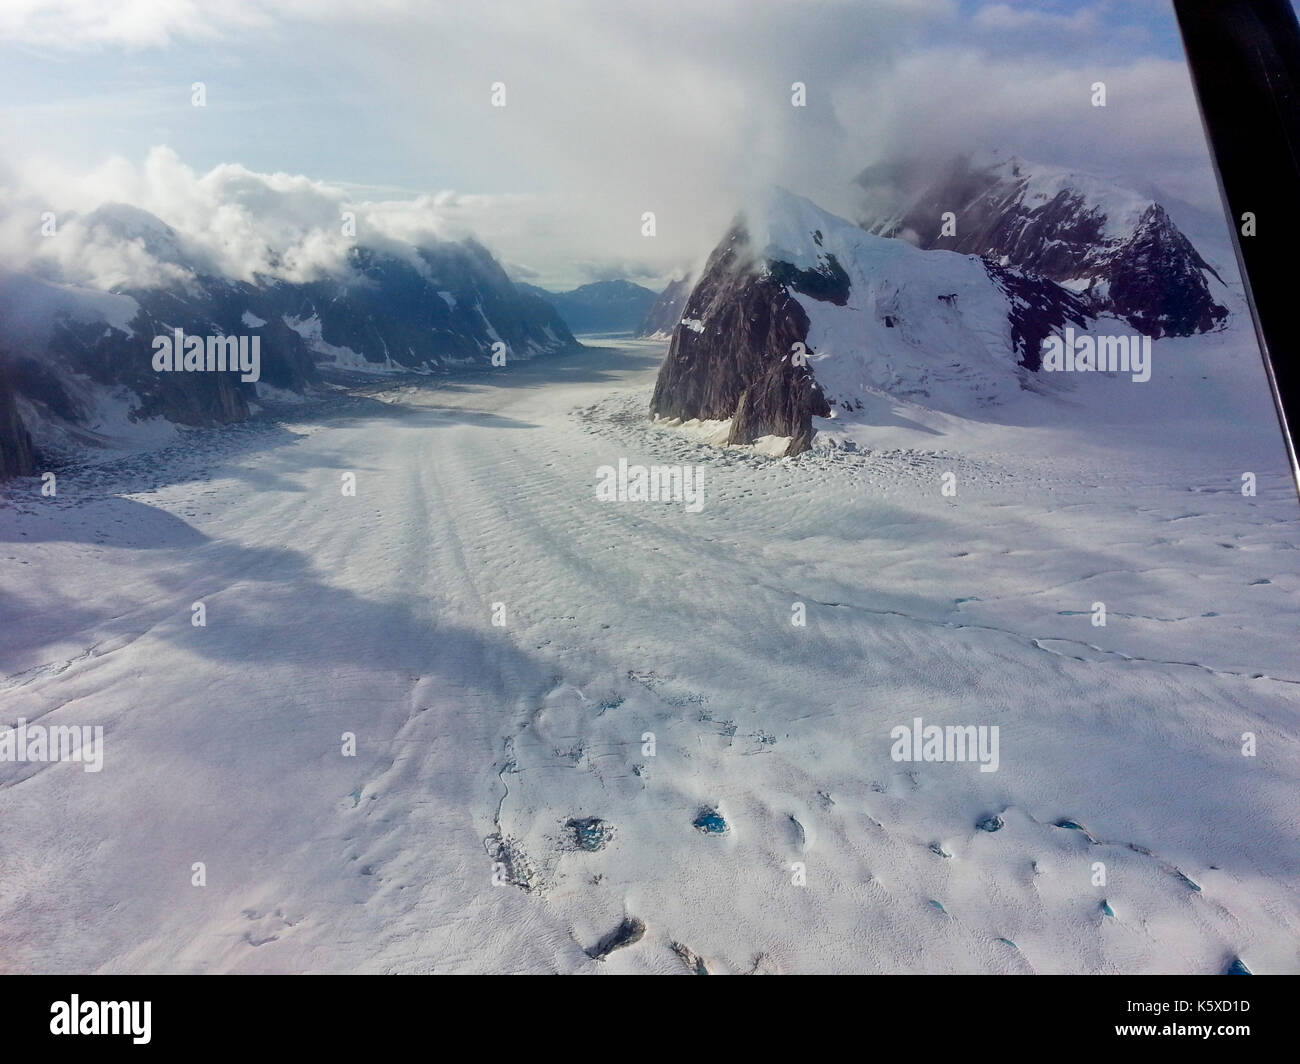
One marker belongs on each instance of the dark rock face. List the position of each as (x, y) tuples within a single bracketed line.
[(213, 305), (666, 312), (1150, 275), (827, 283), (449, 305), (1157, 281), (889, 318), (112, 358), (17, 455), (735, 360), (1038, 309), (599, 307), (629, 932)]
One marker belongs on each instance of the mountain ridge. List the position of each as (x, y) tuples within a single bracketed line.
[(599, 306), (75, 352), (1115, 246), (801, 313)]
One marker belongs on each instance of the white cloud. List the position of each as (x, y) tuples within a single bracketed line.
[(230, 220), (677, 107), (132, 23)]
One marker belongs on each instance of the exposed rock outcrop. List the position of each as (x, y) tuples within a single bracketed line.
[(813, 316), (666, 312), (731, 355), (17, 453), (1117, 249)]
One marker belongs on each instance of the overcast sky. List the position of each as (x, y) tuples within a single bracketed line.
[(613, 108)]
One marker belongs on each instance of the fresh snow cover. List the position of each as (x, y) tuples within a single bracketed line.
[(493, 335), (109, 431), (252, 320), (706, 430), (280, 395), (1122, 206), (955, 354), (945, 356), (341, 356), (716, 431), (477, 744)]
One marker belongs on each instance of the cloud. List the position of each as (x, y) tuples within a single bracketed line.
[(676, 107), (959, 99), (80, 24), (229, 220)]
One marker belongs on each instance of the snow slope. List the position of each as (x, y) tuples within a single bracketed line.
[(927, 325), (477, 744), (798, 312)]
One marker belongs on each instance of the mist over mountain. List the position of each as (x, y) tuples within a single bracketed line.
[(829, 624), (79, 359), (799, 312)]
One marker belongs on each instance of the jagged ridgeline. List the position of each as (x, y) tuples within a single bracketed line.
[(731, 354), (1116, 247), (666, 311), (17, 454), (78, 362), (801, 314)]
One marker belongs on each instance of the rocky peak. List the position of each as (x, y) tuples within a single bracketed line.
[(872, 315), (1118, 249), (666, 310), (730, 356)]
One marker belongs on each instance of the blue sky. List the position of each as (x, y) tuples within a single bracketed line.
[(612, 109)]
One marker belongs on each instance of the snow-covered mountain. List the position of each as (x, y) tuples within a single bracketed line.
[(663, 316), (602, 306), (1116, 247), (872, 314), (79, 359)]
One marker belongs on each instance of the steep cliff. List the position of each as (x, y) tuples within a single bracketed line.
[(1116, 248), (800, 314), (17, 454), (666, 311)]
